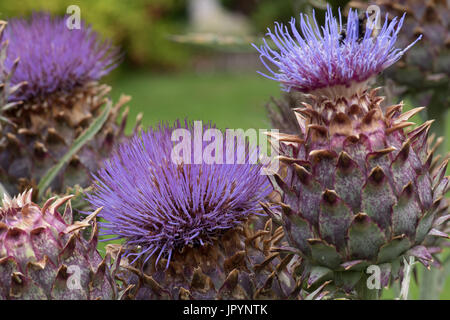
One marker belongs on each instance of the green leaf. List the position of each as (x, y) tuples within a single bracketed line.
[(393, 249), (3, 191), (77, 145), (432, 281), (319, 273), (335, 218), (364, 238), (324, 254)]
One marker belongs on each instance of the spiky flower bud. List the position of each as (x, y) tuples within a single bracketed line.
[(59, 99), (43, 256), (423, 74), (53, 57), (186, 224), (333, 60), (358, 189)]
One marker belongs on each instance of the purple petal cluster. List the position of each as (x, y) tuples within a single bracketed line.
[(54, 57), (322, 57), (160, 206)]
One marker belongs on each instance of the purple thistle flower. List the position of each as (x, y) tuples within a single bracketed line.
[(54, 57), (160, 206), (322, 60)]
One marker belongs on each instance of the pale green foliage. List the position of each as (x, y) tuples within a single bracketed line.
[(140, 27)]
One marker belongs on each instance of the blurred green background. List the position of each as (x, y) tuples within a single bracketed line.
[(171, 72)]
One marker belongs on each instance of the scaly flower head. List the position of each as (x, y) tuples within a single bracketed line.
[(40, 249), (49, 94), (358, 189), (54, 57), (333, 59), (160, 205)]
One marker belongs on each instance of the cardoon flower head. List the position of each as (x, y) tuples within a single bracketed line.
[(159, 205), (322, 60), (54, 57), (359, 189)]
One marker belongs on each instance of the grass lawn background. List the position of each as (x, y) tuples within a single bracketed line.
[(230, 100)]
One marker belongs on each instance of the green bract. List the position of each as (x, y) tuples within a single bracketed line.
[(357, 190)]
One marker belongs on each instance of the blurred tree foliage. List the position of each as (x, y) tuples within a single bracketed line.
[(263, 13), (140, 27)]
